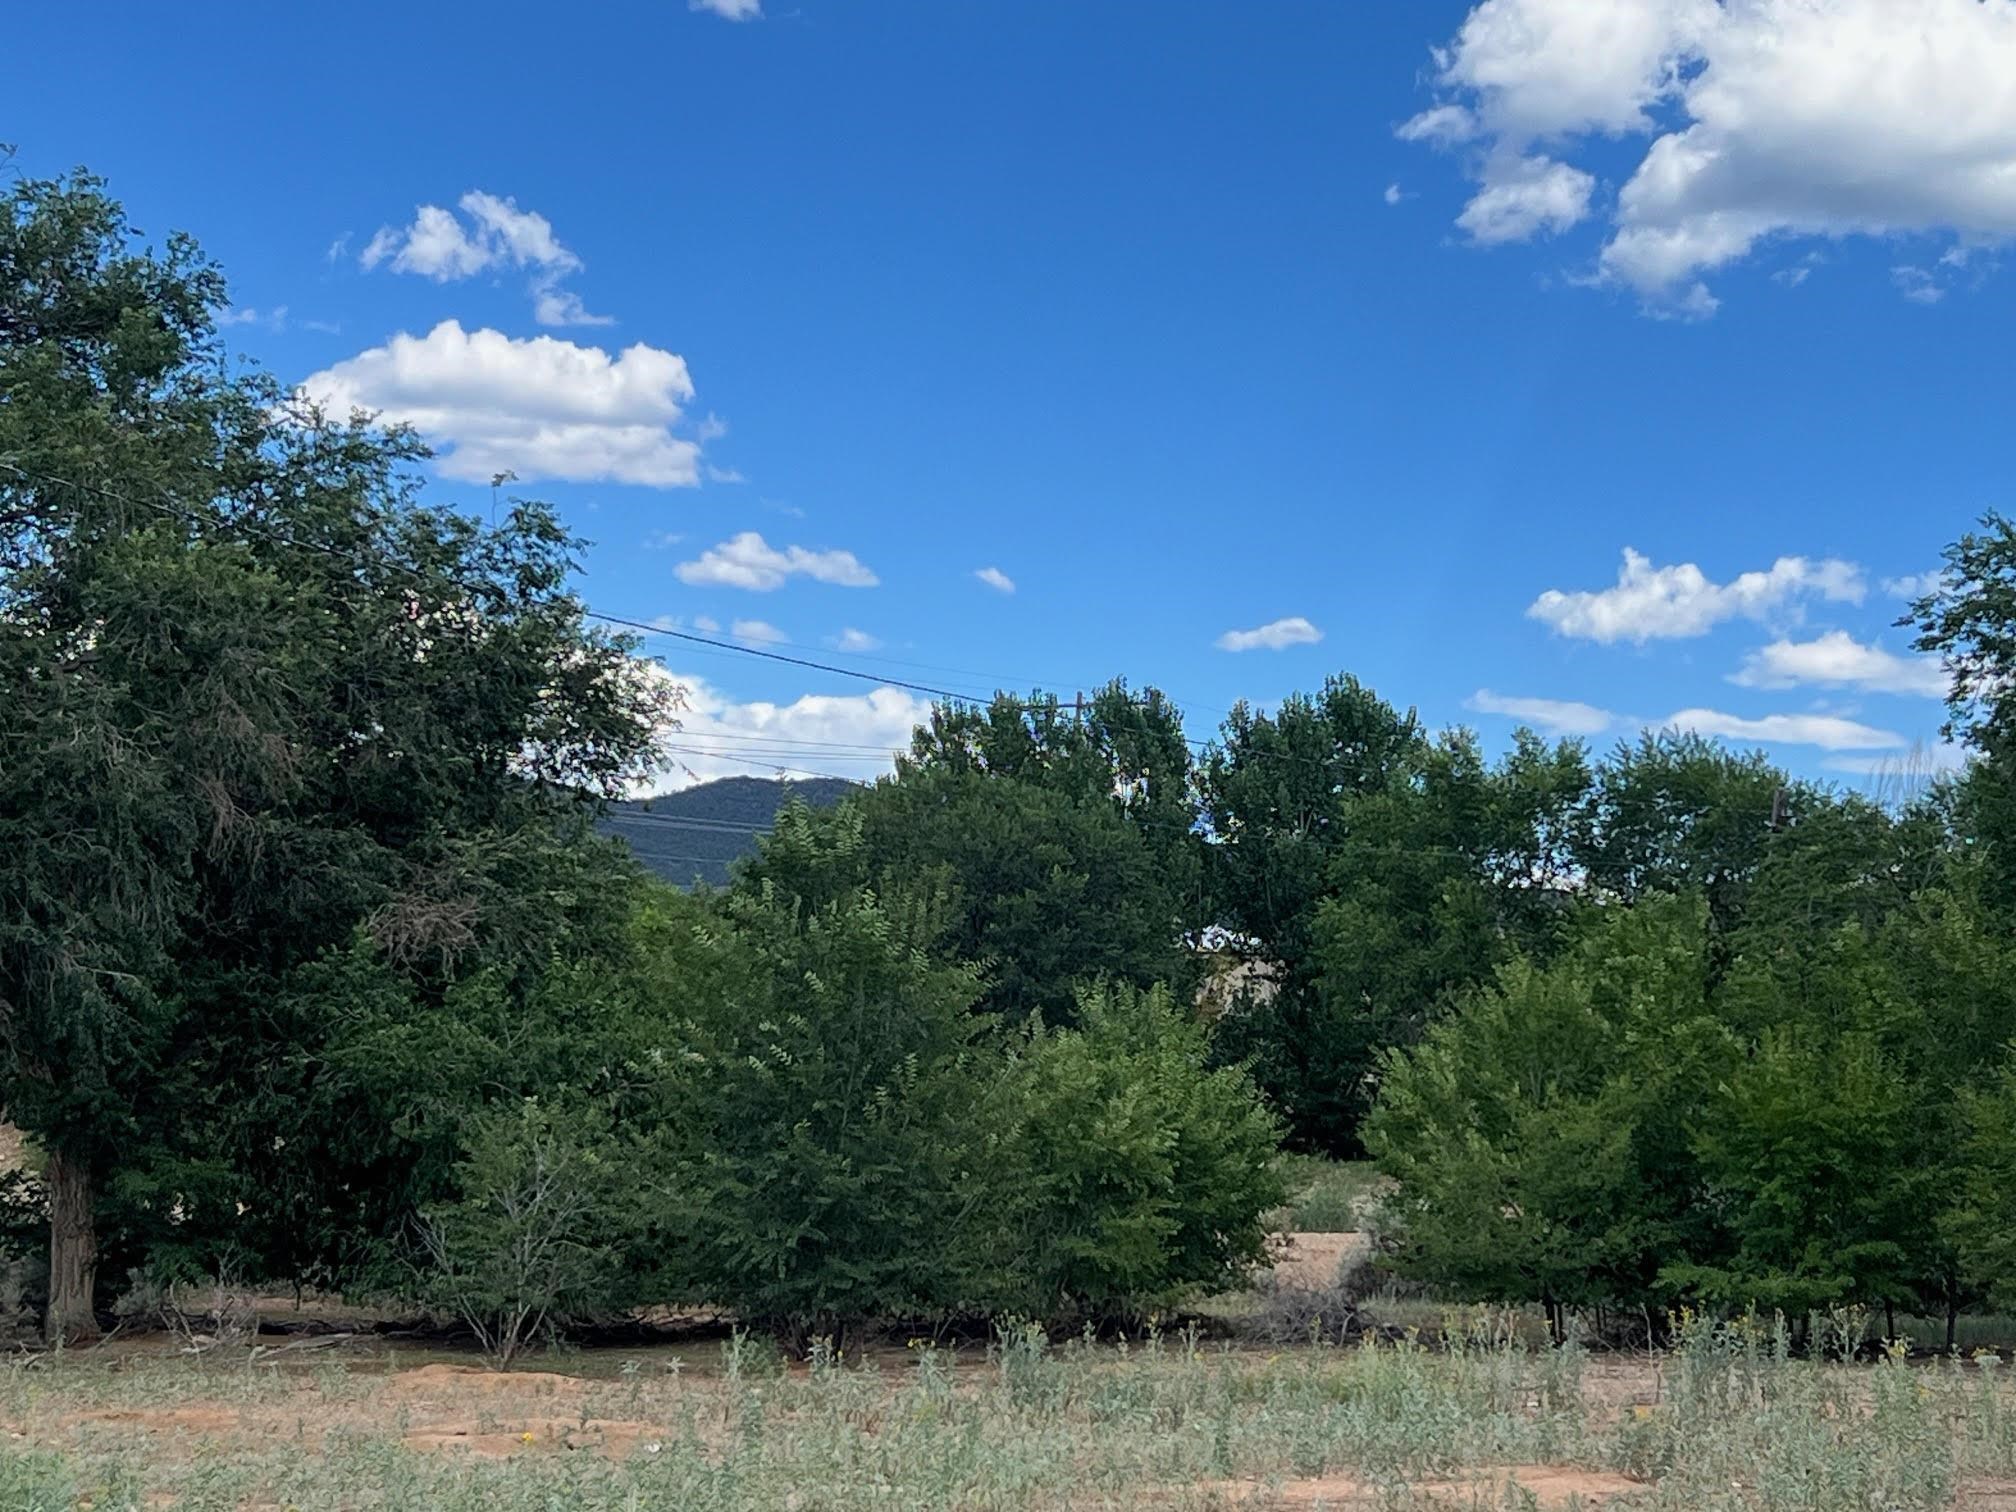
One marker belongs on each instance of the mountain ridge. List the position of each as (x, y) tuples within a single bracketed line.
[(697, 834)]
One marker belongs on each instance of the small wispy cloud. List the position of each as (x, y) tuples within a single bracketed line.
[(1917, 285), (1278, 635), (858, 641), (1556, 716), (757, 632), (729, 10), (1915, 585), (996, 579), (274, 319)]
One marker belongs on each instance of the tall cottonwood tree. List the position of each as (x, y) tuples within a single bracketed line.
[(260, 700)]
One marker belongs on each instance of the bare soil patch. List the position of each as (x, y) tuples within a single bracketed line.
[(1312, 1262)]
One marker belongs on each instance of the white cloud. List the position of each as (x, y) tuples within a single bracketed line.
[(723, 474), (1917, 285), (1442, 126), (662, 540), (855, 735), (1837, 659), (860, 641), (1524, 196), (1554, 715), (540, 407), (1660, 603), (524, 236), (338, 248), (748, 561), (1915, 585), (729, 10), (1277, 635), (996, 579), (553, 306), (1828, 731), (1757, 120), (757, 632), (274, 319), (496, 234), (1393, 194), (1563, 717)]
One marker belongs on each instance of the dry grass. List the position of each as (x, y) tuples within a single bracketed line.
[(1726, 1424)]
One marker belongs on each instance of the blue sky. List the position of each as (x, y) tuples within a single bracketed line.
[(1185, 319)]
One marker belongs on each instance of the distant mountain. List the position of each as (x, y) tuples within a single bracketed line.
[(693, 835)]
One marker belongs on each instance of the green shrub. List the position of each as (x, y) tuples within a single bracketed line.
[(818, 1146), (1539, 1135), (1129, 1174), (529, 1243)]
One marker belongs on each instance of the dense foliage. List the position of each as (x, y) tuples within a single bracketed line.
[(313, 966)]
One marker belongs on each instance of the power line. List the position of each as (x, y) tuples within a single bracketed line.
[(202, 522)]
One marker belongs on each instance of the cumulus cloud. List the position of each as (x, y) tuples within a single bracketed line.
[(1756, 120), (1277, 635), (1524, 196), (729, 10), (1828, 731), (540, 407), (1664, 603), (492, 232), (996, 579), (851, 639), (1556, 716), (855, 735), (1838, 660), (748, 561)]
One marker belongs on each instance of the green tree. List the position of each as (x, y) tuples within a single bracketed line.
[(264, 699), (817, 1148), (1066, 848), (1678, 813), (1124, 1173), (1372, 871), (1540, 1133)]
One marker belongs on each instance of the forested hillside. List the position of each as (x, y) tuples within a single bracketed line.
[(697, 833)]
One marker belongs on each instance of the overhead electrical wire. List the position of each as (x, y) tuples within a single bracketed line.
[(639, 627)]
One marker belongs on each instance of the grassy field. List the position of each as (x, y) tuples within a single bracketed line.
[(1485, 1418), (1725, 1422)]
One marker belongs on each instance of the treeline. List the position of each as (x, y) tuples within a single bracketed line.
[(312, 968)]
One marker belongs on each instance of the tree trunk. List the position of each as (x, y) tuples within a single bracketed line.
[(1889, 1320), (73, 1253), (1952, 1319)]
